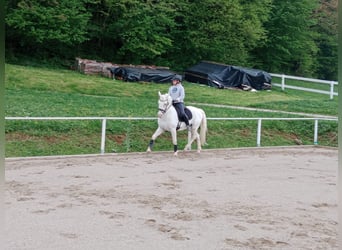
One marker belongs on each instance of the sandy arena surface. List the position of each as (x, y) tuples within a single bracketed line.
[(260, 198)]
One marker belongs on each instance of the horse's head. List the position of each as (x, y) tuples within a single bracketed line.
[(164, 103)]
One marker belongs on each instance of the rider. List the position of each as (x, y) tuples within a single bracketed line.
[(177, 93)]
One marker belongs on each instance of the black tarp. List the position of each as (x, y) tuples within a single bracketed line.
[(136, 74), (226, 76)]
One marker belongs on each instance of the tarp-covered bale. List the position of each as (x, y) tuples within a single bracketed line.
[(226, 76), (135, 74)]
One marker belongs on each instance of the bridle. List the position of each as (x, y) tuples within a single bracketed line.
[(165, 108)]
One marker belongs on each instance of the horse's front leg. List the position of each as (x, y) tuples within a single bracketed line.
[(174, 141), (157, 133)]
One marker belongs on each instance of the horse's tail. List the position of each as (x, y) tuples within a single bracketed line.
[(204, 128)]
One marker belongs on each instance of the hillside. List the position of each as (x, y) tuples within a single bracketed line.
[(36, 92)]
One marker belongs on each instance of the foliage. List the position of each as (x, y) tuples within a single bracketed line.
[(134, 31), (290, 45), (144, 30), (292, 37), (326, 40), (47, 25), (223, 31), (206, 36)]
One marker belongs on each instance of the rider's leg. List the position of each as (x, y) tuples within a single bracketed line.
[(184, 116), (180, 107)]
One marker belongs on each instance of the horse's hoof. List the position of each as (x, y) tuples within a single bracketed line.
[(148, 150), (175, 153)]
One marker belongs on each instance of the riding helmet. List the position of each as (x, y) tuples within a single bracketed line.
[(177, 77)]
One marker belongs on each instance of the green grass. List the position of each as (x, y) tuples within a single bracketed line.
[(42, 92)]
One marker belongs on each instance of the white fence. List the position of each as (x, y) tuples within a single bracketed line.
[(283, 84), (104, 122)]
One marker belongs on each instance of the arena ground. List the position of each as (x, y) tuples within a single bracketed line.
[(252, 198)]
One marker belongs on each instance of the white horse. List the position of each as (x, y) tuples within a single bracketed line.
[(168, 121)]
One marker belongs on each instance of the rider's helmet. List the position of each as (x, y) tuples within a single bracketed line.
[(177, 77)]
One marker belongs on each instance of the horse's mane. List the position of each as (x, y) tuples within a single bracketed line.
[(165, 97)]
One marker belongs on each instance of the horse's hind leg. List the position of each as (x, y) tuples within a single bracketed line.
[(194, 136), (189, 140), (199, 144)]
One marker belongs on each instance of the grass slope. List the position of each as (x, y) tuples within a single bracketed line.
[(33, 92)]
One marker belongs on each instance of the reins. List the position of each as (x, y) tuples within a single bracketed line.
[(163, 111)]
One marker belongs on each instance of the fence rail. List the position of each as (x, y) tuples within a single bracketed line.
[(259, 123), (283, 84)]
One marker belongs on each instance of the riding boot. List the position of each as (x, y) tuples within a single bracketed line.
[(186, 120), (188, 125)]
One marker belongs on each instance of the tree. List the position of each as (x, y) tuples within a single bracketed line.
[(326, 27), (46, 25), (280, 36), (218, 30), (290, 46), (145, 30)]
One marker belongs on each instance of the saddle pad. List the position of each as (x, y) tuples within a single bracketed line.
[(188, 113)]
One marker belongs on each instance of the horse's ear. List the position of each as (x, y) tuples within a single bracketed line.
[(159, 93)]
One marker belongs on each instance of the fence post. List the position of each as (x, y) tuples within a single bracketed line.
[(316, 132), (331, 90), (259, 133), (103, 136), (283, 82)]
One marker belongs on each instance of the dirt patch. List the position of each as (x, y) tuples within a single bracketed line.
[(119, 139), (18, 136)]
